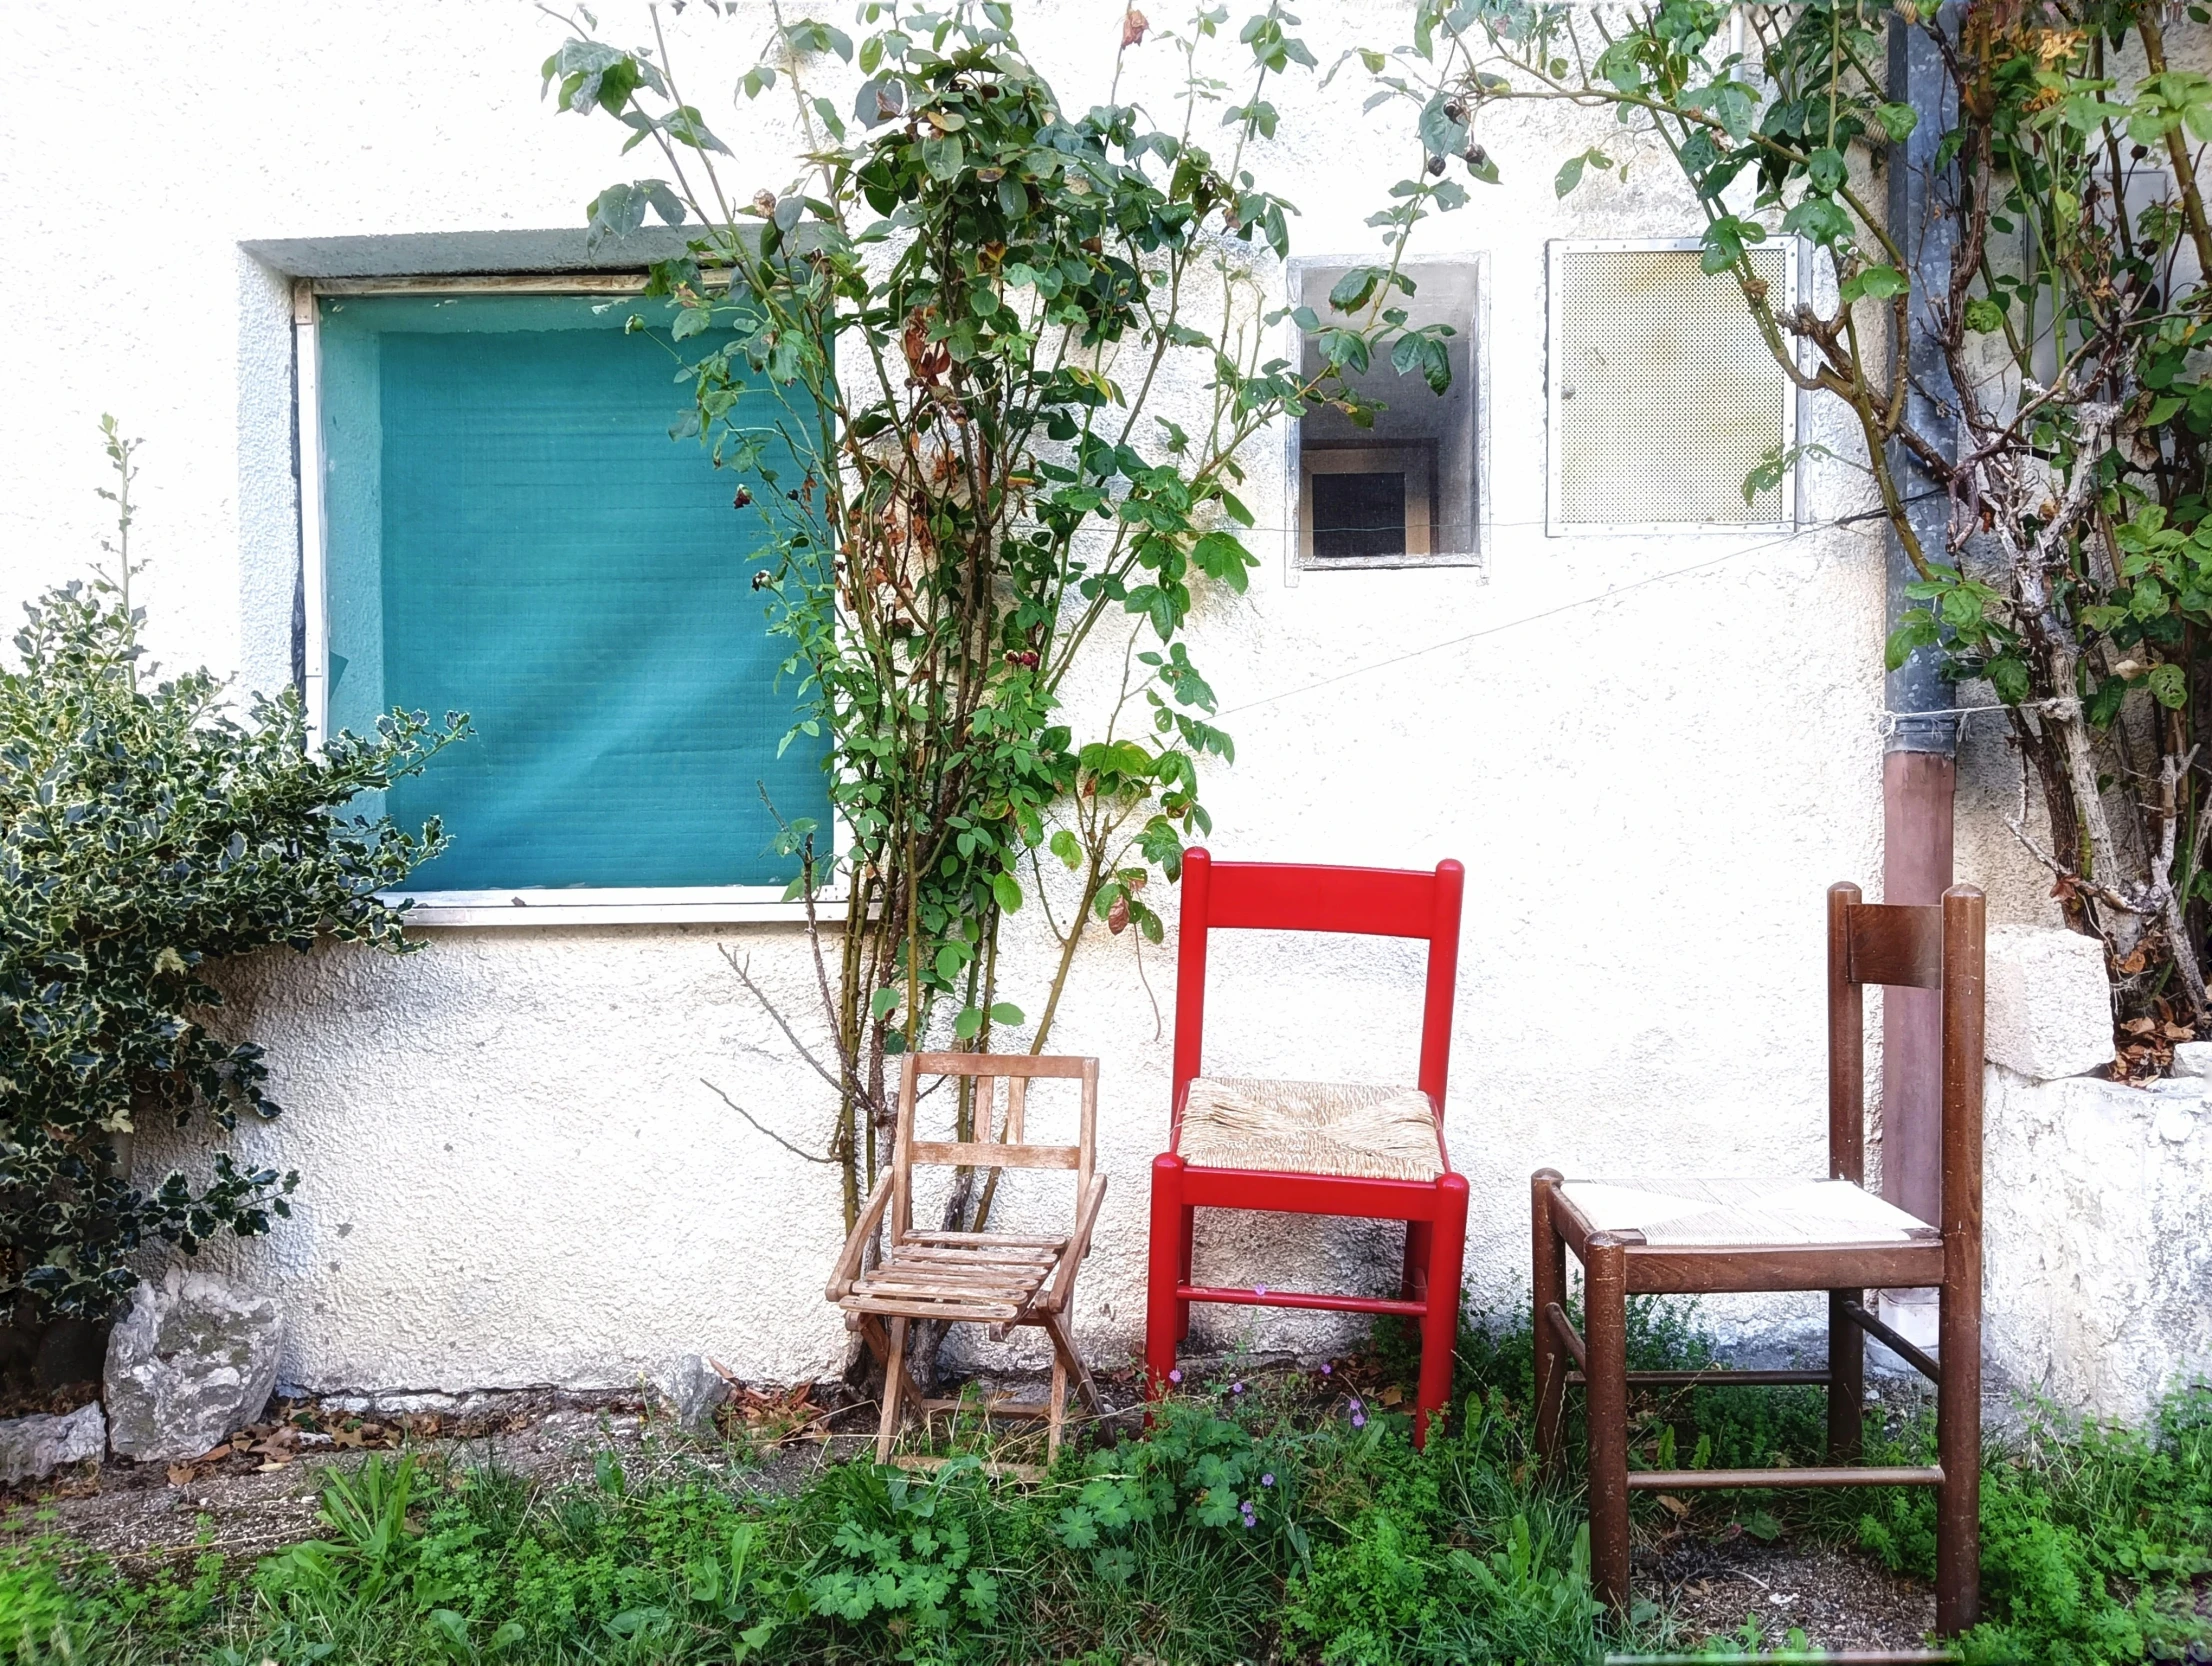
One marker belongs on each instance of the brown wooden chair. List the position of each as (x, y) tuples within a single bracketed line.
[(1648, 1237), (1000, 1279)]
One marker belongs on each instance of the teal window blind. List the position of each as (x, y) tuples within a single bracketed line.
[(511, 532)]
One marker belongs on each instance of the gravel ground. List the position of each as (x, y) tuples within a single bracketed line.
[(1839, 1599)]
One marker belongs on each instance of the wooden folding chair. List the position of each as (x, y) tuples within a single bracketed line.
[(1313, 1148), (1647, 1237), (1000, 1279)]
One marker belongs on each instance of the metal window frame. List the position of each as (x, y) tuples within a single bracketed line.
[(1793, 277), (522, 906), (1296, 562)]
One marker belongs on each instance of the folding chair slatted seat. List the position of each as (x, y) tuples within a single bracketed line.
[(1313, 1148), (1000, 1279), (1647, 1236)]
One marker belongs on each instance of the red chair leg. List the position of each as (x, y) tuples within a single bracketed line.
[(1412, 1286), (1182, 1309), (1446, 1245), (1162, 1310)]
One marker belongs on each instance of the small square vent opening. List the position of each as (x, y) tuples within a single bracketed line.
[(1664, 396)]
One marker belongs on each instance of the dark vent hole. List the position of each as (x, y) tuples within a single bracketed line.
[(1359, 514)]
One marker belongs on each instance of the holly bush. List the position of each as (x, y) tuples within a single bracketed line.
[(146, 836)]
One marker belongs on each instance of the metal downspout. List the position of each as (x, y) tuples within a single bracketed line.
[(1920, 745)]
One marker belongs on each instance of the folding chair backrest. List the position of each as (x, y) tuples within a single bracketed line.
[(1935, 946), (1001, 1138), (1287, 896)]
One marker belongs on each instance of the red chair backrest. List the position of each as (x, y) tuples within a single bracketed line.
[(1296, 896)]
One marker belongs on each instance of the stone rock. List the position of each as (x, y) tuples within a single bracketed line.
[(2049, 1003), (695, 1389), (34, 1447), (193, 1359), (2193, 1058)]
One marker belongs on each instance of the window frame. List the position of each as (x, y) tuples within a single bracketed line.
[(1794, 268), (1297, 535), (527, 905)]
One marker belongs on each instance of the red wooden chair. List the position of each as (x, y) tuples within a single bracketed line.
[(1313, 1148)]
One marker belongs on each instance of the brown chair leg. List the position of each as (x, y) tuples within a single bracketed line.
[(1058, 1409), (893, 1375), (1959, 1446), (1846, 1380), (1063, 1352), (1549, 1285), (1605, 1336)]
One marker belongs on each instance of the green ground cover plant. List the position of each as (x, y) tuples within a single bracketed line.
[(1283, 1515)]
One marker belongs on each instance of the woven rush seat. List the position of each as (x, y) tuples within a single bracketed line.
[(1782, 1213), (1341, 1128), (989, 1276)]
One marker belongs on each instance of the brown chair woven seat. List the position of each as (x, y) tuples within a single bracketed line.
[(1346, 1128), (1743, 1213)]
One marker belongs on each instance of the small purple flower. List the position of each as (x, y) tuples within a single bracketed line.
[(1359, 1420), (1356, 1406), (1260, 1290), (1236, 1388), (1251, 1516), (1176, 1375), (1267, 1480), (1326, 1368)]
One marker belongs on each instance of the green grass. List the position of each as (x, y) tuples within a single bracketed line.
[(1290, 1521)]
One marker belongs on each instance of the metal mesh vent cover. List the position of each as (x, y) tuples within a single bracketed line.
[(1664, 396)]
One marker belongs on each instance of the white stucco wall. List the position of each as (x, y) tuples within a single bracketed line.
[(1653, 753)]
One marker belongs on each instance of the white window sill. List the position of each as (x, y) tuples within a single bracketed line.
[(704, 905)]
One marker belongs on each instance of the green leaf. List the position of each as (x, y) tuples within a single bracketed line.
[(966, 1026), (2008, 675), (1984, 316), (1569, 175), (1878, 283), (1005, 1012), (1063, 845), (1008, 891), (884, 999), (1919, 630), (1897, 121), (943, 156), (2169, 686)]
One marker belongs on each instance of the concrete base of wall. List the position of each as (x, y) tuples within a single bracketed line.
[(2097, 1203)]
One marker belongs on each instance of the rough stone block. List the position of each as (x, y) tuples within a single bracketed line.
[(2097, 1212), (2050, 1005), (192, 1359), (34, 1447), (695, 1389), (2193, 1058)]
